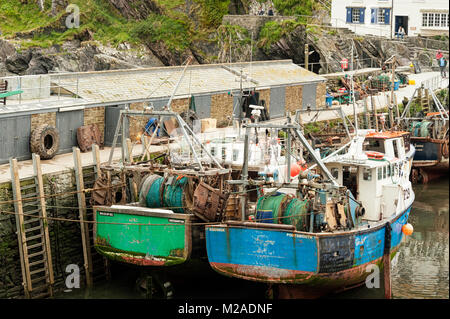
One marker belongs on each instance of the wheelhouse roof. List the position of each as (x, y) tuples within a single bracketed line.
[(386, 134)]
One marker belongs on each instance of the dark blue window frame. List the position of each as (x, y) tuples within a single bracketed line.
[(349, 16), (374, 16)]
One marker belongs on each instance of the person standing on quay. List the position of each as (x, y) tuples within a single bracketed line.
[(443, 65), (439, 55)]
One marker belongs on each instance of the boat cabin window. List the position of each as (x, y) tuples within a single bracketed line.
[(388, 170), (235, 155), (395, 145), (224, 153), (213, 151), (374, 145), (384, 172), (407, 142), (367, 174), (335, 172), (380, 173), (349, 179)]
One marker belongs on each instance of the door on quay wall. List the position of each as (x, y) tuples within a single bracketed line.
[(309, 96), (277, 102), (67, 124), (15, 138), (111, 117)]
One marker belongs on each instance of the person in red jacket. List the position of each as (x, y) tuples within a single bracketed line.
[(439, 55)]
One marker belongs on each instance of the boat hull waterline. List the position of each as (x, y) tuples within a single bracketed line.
[(322, 262)]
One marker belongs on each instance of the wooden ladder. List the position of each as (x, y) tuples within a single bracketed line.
[(32, 232), (96, 266), (424, 99)]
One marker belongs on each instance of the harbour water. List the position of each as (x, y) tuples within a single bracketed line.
[(420, 269)]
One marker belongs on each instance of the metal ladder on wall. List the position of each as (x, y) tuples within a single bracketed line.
[(32, 232), (96, 266)]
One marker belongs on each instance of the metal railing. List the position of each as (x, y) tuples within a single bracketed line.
[(358, 64), (40, 87), (435, 83)]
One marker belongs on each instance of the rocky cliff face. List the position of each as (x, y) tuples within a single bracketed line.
[(246, 37), (73, 56)]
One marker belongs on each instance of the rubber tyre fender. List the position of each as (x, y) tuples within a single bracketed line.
[(44, 141)]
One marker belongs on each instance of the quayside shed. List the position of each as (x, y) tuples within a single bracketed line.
[(70, 100)]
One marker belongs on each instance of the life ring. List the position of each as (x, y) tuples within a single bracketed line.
[(44, 141), (377, 156)]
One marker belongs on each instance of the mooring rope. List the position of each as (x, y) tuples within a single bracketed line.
[(135, 224), (86, 190)]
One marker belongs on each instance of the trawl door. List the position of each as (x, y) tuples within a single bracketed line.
[(67, 124), (15, 138)]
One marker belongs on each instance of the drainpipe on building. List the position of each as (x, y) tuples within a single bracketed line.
[(392, 17)]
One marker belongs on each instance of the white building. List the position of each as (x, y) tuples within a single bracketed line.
[(384, 17)]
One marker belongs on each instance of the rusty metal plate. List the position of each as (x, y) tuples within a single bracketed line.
[(88, 135)]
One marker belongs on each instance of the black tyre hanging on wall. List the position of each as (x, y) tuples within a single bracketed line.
[(44, 141)]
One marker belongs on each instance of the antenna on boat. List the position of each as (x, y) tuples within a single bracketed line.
[(355, 115)]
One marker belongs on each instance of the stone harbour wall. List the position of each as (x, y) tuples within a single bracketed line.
[(43, 118), (65, 237)]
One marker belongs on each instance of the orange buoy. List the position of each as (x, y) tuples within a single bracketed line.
[(295, 169), (407, 229)]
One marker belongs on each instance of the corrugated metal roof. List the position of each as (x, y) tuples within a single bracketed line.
[(123, 85)]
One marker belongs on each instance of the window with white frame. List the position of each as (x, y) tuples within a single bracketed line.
[(431, 19), (355, 15), (381, 15)]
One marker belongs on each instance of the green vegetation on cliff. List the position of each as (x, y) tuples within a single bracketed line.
[(294, 7), (173, 33), (175, 26), (273, 31)]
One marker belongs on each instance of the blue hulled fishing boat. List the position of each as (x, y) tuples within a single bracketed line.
[(315, 231)]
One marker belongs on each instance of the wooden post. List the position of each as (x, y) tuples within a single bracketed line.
[(40, 187), (96, 159), (98, 173), (129, 157), (148, 144), (82, 213), (26, 277), (397, 111)]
